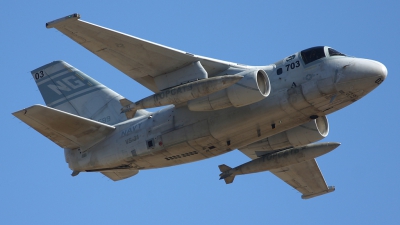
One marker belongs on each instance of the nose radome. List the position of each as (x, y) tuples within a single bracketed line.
[(359, 77), (372, 68), (364, 68), (383, 70)]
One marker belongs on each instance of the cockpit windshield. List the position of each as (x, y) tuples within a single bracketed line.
[(333, 52), (312, 54)]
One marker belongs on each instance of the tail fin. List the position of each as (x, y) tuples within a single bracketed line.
[(66, 88), (228, 177)]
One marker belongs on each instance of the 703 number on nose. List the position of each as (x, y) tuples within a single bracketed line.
[(292, 65)]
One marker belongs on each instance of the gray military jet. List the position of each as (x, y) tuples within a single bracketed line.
[(273, 114)]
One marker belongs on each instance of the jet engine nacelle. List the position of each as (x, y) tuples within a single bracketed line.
[(302, 135), (253, 87)]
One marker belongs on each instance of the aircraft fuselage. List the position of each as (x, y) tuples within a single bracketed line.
[(300, 91)]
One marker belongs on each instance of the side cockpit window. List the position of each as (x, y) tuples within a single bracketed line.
[(312, 54), (333, 52)]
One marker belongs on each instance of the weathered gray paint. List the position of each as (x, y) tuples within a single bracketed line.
[(185, 92), (177, 135)]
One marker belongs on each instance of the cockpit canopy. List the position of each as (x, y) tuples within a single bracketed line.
[(311, 54)]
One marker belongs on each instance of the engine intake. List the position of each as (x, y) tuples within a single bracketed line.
[(253, 87)]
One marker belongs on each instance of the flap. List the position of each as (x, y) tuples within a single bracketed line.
[(64, 129), (305, 177), (139, 59), (120, 174), (192, 72)]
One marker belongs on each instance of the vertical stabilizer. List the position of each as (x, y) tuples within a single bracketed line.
[(66, 88)]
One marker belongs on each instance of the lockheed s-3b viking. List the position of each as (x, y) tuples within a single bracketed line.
[(273, 114)]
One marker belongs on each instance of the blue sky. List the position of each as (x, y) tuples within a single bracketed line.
[(36, 185)]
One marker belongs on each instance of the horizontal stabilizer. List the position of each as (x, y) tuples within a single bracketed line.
[(64, 129), (117, 175)]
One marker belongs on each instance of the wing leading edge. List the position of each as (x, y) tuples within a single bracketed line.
[(139, 59)]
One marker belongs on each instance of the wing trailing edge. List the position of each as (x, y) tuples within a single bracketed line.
[(305, 177), (140, 59)]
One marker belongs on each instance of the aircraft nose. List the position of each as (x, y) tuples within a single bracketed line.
[(364, 69), (375, 69), (383, 70), (360, 76)]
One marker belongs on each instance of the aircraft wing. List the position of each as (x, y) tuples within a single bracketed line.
[(139, 59), (64, 129), (306, 177)]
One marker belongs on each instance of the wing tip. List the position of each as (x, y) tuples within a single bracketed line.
[(53, 23), (327, 191)]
